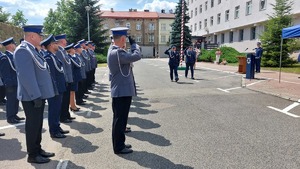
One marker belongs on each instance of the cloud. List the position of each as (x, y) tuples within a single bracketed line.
[(139, 1), (157, 5), (107, 4)]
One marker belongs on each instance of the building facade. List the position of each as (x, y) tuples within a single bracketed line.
[(234, 23), (165, 21)]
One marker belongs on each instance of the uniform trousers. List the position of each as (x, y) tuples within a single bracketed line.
[(2, 93), (33, 127), (173, 69), (120, 107), (54, 107), (12, 103), (80, 92), (257, 65), (94, 77), (187, 67), (64, 109)]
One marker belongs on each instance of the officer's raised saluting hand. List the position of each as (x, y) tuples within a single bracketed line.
[(131, 40)]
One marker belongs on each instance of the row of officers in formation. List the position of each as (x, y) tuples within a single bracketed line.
[(38, 70)]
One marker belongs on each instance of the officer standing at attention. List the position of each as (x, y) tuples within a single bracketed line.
[(2, 88), (1, 83), (34, 86), (57, 74), (9, 77), (79, 95), (174, 60), (190, 59), (122, 86), (65, 116), (258, 55)]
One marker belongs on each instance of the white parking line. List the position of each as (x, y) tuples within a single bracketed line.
[(62, 164), (287, 109), (225, 76), (227, 90), (12, 125)]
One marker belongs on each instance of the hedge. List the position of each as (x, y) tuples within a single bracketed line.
[(229, 53)]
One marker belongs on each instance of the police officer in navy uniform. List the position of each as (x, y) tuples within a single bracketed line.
[(9, 77), (122, 85), (76, 68), (258, 55), (190, 59), (87, 65), (79, 95), (65, 116), (57, 74), (2, 88), (93, 60), (174, 60), (1, 83), (34, 86)]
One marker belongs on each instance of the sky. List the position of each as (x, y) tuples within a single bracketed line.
[(36, 10)]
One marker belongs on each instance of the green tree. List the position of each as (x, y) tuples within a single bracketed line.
[(19, 19), (271, 38), (176, 27), (4, 16)]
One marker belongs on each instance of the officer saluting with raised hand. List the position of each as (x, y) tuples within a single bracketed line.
[(122, 85), (9, 77), (174, 60), (34, 86)]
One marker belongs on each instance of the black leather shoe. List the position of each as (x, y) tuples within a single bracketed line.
[(2, 134), (13, 121), (43, 153), (66, 121), (58, 135), (38, 159), (128, 146), (88, 92), (64, 131), (72, 118), (82, 103), (74, 110), (19, 118), (127, 130), (124, 151), (176, 79)]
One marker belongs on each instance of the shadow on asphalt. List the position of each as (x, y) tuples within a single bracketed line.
[(150, 137), (97, 100), (142, 111), (84, 128), (11, 149), (139, 104), (54, 164), (78, 144), (150, 160), (142, 123), (184, 83), (137, 98)]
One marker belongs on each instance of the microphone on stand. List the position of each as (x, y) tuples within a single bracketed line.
[(246, 49)]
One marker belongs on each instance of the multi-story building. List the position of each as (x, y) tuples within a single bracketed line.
[(234, 23), (164, 31), (151, 30)]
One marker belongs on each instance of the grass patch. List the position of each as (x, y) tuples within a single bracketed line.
[(102, 64), (291, 69)]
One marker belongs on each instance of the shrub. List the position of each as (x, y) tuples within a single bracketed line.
[(101, 58), (229, 53)]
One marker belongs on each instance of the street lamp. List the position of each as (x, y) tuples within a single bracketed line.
[(88, 8)]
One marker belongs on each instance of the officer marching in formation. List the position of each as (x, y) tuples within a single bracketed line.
[(9, 77), (122, 86), (57, 74), (190, 60), (76, 68), (34, 86), (174, 60), (62, 55)]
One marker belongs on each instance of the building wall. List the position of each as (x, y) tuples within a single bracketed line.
[(256, 18), (164, 35)]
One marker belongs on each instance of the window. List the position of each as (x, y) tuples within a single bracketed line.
[(231, 37), (138, 26), (128, 25), (195, 27), (205, 23), (163, 38), (222, 38), (215, 39), (211, 3), (151, 26), (226, 15), (117, 24), (138, 38), (211, 21), (196, 11), (200, 9), (163, 27), (248, 8), (219, 18), (151, 38), (206, 5), (237, 12), (191, 13), (191, 28), (200, 25), (253, 33), (219, 1), (241, 35), (262, 4)]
